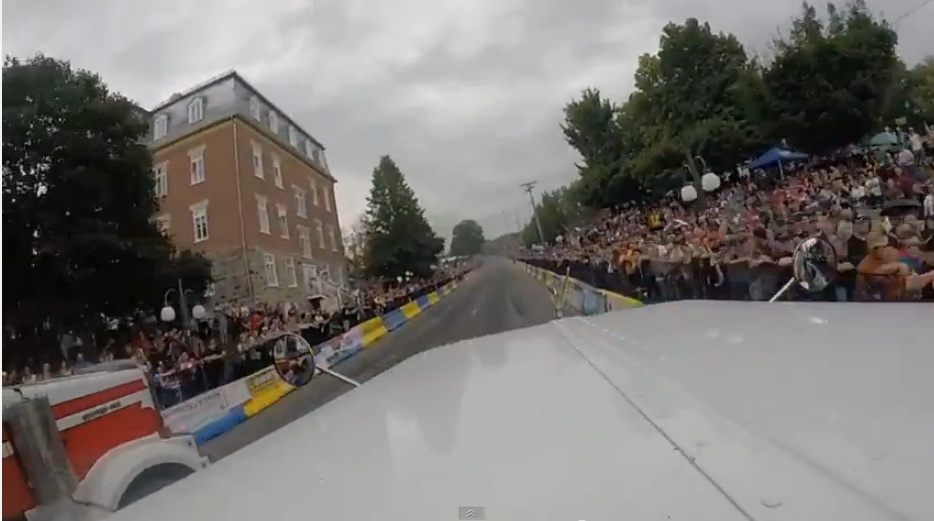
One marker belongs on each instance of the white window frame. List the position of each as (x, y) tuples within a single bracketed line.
[(262, 214), (304, 241), (160, 175), (199, 210), (196, 168), (277, 171), (332, 237), (326, 195), (195, 110), (282, 214), (257, 159), (301, 202), (254, 108), (274, 122), (319, 229), (309, 149), (160, 127), (293, 136), (290, 273), (270, 270), (314, 192)]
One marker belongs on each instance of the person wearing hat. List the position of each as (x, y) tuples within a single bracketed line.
[(883, 275)]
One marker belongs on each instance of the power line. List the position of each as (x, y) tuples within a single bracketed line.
[(912, 11)]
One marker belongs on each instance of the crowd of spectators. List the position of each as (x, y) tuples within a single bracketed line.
[(233, 342), (875, 208)]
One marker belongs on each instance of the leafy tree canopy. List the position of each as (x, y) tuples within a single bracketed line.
[(398, 237), (467, 238), (701, 103), (79, 241)]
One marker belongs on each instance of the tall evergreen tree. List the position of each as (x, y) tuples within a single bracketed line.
[(399, 238)]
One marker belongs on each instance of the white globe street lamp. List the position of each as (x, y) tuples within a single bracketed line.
[(167, 314), (688, 193), (710, 182)]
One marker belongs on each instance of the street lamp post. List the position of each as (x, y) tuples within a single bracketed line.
[(168, 312), (538, 224)]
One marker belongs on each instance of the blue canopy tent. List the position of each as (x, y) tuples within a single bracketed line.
[(775, 156)]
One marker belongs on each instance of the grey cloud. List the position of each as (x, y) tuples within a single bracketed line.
[(466, 96)]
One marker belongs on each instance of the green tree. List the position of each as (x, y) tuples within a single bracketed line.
[(398, 237), (79, 241), (558, 211), (467, 238), (831, 78)]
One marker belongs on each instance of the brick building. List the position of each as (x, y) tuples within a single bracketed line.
[(244, 184)]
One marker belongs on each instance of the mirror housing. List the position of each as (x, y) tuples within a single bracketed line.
[(814, 264), (294, 359)]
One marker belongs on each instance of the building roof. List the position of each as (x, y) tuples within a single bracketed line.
[(237, 77)]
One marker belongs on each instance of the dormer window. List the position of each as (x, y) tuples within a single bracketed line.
[(160, 126), (254, 108), (196, 110), (273, 122), (309, 149), (293, 136)]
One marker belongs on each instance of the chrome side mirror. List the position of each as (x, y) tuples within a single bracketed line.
[(294, 359), (814, 266)]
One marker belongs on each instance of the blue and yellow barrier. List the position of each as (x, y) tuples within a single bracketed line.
[(266, 388), (558, 284)]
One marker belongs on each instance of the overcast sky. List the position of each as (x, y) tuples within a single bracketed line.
[(465, 95)]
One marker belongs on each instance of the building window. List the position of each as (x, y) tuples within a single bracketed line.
[(196, 159), (332, 237), (304, 240), (283, 212), (164, 222), (272, 276), (326, 195), (160, 175), (314, 191), (160, 127), (316, 155), (301, 207), (254, 107), (319, 229), (309, 149), (257, 160), (293, 136), (292, 277), (262, 212), (199, 219), (196, 110), (273, 122), (277, 171)]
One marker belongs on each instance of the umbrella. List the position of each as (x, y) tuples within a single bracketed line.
[(884, 140)]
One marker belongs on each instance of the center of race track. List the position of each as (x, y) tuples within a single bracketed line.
[(495, 298)]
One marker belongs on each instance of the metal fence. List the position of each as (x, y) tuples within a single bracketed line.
[(192, 379), (654, 281)]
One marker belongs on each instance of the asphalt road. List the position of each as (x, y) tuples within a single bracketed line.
[(496, 297)]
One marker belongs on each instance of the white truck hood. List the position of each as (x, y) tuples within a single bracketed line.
[(693, 410)]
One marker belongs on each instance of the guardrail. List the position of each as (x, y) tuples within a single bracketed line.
[(729, 281), (573, 293), (217, 411)]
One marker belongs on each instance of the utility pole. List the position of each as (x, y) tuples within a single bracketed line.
[(538, 224)]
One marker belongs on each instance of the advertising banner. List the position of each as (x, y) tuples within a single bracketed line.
[(190, 415), (262, 380)]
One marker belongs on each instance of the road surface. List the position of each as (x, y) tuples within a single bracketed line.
[(495, 298)]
